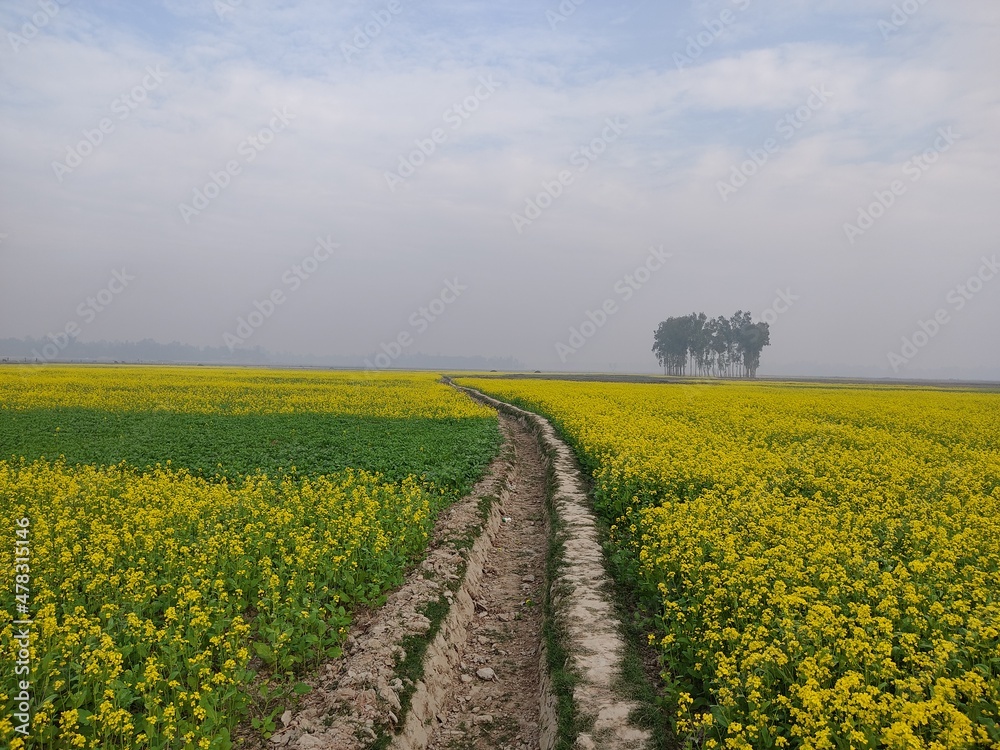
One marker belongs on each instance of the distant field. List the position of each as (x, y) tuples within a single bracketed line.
[(821, 565), (191, 527), (613, 377)]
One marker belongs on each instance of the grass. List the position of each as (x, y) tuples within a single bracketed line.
[(636, 683), (136, 420), (638, 680), (503, 730), (410, 669), (563, 679), (468, 537)]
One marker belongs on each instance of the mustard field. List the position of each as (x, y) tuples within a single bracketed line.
[(815, 567), (820, 565), (172, 534)]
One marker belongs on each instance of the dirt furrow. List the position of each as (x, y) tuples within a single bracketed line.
[(584, 617), (480, 678), (493, 694)]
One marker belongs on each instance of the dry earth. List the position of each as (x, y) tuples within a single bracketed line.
[(493, 695), (485, 682), (481, 686)]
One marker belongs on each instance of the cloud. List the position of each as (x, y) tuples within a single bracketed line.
[(351, 121)]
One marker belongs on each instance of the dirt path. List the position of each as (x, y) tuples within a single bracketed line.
[(471, 616), (493, 697), (583, 611), (494, 623)]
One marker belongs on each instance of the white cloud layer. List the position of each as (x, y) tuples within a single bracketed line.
[(346, 123)]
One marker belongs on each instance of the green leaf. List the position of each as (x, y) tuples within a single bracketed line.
[(264, 651)]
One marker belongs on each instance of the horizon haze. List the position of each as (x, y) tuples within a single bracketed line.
[(461, 179)]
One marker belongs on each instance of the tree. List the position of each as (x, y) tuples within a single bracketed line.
[(670, 344), (721, 346), (754, 337)]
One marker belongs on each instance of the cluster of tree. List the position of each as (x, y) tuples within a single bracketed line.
[(724, 347)]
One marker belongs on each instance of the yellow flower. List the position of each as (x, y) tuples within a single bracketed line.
[(828, 552), (141, 576)]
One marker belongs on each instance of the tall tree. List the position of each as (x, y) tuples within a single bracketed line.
[(755, 337), (721, 346)]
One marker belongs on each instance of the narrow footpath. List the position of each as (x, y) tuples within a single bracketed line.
[(471, 614), (493, 695)]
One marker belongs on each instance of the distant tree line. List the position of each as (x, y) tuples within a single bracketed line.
[(62, 348), (723, 347)]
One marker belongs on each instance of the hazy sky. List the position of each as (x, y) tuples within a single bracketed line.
[(490, 173)]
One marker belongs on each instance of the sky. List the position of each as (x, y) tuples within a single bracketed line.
[(540, 180)]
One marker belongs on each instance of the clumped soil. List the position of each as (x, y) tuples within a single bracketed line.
[(493, 698)]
